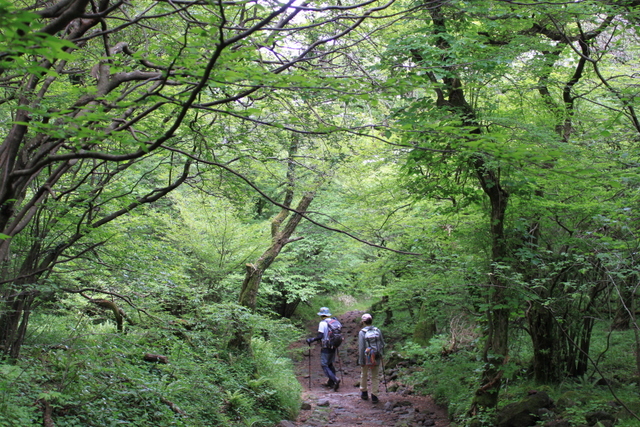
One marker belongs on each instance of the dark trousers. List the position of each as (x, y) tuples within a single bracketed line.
[(327, 357)]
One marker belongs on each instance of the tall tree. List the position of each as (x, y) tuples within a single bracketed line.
[(105, 100), (459, 64)]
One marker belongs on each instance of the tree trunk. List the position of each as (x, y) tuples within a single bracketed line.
[(254, 272), (383, 305), (577, 361), (495, 356), (547, 342), (19, 297), (118, 313), (636, 334), (451, 96), (623, 316), (14, 320), (496, 348)]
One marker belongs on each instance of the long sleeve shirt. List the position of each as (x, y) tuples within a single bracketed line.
[(362, 345)]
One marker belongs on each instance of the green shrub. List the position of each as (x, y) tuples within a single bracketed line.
[(16, 409), (93, 376), (449, 379), (276, 384)]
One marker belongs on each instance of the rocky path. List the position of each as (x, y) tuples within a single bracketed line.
[(344, 408)]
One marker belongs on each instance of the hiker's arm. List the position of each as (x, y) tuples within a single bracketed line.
[(316, 338)]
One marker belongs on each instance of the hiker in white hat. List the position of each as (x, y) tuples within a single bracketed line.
[(329, 333)]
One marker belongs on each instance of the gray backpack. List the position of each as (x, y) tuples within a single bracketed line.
[(374, 345), (334, 334)]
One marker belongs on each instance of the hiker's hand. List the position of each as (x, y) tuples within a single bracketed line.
[(310, 340)]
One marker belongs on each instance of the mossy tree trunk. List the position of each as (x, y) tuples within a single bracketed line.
[(254, 271), (451, 97), (496, 350), (280, 237)]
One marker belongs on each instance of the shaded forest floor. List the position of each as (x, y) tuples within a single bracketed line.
[(344, 408)]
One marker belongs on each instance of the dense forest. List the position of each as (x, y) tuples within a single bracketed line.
[(184, 183)]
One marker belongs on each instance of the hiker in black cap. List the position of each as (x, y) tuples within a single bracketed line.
[(328, 351)]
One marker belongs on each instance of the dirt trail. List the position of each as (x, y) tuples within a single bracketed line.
[(344, 408)]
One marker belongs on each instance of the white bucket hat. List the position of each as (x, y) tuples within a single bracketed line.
[(324, 311)]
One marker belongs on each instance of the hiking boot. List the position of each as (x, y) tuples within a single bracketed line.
[(329, 384), (336, 386), (364, 395), (374, 398)]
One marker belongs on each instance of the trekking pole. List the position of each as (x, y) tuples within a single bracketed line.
[(384, 376), (309, 365)]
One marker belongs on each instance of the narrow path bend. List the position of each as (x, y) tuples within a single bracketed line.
[(344, 408)]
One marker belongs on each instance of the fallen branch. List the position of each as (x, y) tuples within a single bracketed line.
[(150, 357), (172, 406)]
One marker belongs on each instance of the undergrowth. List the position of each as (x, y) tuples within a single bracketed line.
[(90, 375), (451, 377)]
